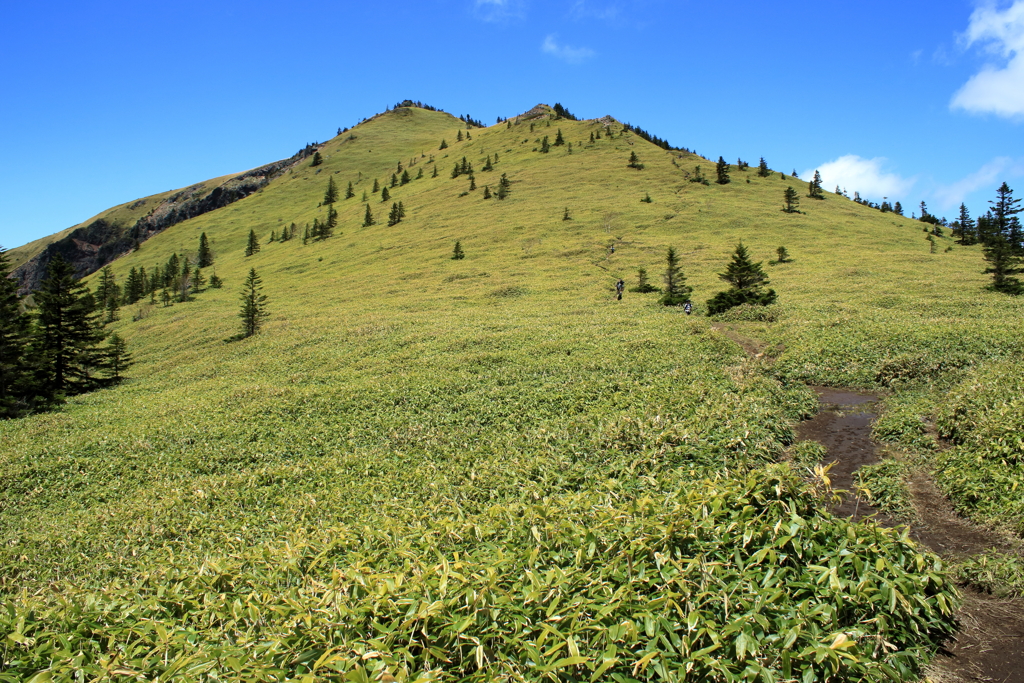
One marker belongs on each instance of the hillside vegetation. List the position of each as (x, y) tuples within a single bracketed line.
[(489, 468)]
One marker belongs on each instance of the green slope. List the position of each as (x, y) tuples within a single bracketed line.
[(405, 417)]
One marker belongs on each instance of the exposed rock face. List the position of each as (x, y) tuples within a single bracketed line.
[(93, 246)]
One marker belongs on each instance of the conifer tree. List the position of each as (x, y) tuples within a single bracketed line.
[(253, 245), (273, 237), (419, 174), (814, 187), (643, 286), (254, 305), (566, 216), (677, 292), (349, 192), (68, 332), (504, 186), (791, 199), (327, 228), (331, 193), (783, 255), (197, 280), (444, 145), (634, 161), (405, 178), (544, 148), (385, 195), (647, 198), (457, 253), (897, 209), (394, 180), (458, 138), (317, 159), (698, 177), (591, 136), (1004, 263), (747, 280), (368, 217), (487, 192), (216, 282), (487, 165), (559, 140), (401, 210), (966, 228), (393, 217), (108, 295), (472, 183), (204, 258), (1005, 209), (117, 357), (722, 171), (16, 381), (184, 282), (376, 186), (434, 174), (165, 297)]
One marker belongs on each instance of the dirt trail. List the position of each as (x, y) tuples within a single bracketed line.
[(990, 643)]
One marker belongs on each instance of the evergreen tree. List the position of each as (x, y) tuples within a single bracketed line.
[(16, 381), (814, 187), (349, 192), (487, 192), (647, 198), (444, 145), (544, 148), (1004, 264), (405, 178), (783, 255), (722, 171), (458, 138), (184, 282), (472, 183), (376, 186), (559, 140), (967, 229), (1005, 209), (165, 297), (68, 332), (117, 357), (273, 237), (317, 159), (487, 165), (434, 174), (677, 292), (204, 259), (457, 253), (401, 210), (591, 136), (216, 282), (108, 295), (643, 286), (327, 229), (504, 186), (314, 232), (419, 174), (197, 280), (698, 177), (394, 180), (385, 195), (566, 216), (394, 217), (306, 235), (253, 245), (331, 193), (747, 280), (368, 217), (634, 161), (254, 305), (791, 199)]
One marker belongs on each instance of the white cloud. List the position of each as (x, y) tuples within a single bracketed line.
[(586, 9), (573, 55), (855, 174), (499, 10), (997, 88), (988, 177)]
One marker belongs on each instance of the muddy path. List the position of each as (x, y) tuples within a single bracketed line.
[(990, 643)]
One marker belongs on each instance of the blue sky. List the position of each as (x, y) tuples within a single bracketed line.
[(102, 102)]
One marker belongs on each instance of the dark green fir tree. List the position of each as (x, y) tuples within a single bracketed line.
[(458, 254), (17, 385), (677, 292), (747, 281), (721, 172), (204, 257), (254, 305)]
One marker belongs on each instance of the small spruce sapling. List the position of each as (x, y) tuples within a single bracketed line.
[(253, 246), (677, 292), (367, 218), (254, 305), (722, 172), (634, 162), (792, 201), (643, 285), (458, 254), (783, 255)]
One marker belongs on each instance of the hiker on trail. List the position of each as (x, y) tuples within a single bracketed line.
[(619, 286), (688, 307)]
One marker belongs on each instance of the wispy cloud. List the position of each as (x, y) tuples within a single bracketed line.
[(998, 88), (856, 174), (499, 10), (988, 176), (588, 9), (567, 53)]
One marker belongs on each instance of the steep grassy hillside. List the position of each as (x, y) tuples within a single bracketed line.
[(489, 468)]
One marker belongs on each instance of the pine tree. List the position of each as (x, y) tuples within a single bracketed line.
[(117, 359), (68, 332), (331, 194), (487, 192), (16, 381), (204, 259), (647, 198), (814, 187), (184, 282), (897, 209), (1005, 209), (783, 255), (317, 159), (677, 292), (591, 136), (404, 180), (698, 177), (566, 216), (368, 217), (722, 171), (394, 217), (458, 138), (504, 186), (544, 148), (434, 174), (791, 199), (349, 192), (254, 305), (643, 286), (419, 174), (487, 165), (747, 280), (444, 144), (634, 161), (967, 229), (385, 195), (253, 245), (394, 180), (216, 282), (165, 297), (472, 183), (376, 186), (108, 295), (1004, 264), (559, 140), (457, 253), (273, 237)]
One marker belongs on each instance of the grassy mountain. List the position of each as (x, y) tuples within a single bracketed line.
[(489, 468)]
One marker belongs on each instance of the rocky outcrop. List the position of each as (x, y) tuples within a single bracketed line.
[(93, 246)]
